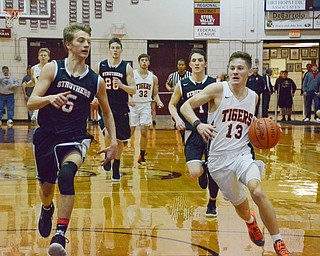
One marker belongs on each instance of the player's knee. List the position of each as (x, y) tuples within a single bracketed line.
[(258, 196), (195, 172), (66, 178)]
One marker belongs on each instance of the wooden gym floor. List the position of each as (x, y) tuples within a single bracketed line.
[(158, 209)]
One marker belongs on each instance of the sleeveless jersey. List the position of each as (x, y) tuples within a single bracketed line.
[(118, 98), (70, 119), (36, 72), (232, 120), (144, 87), (189, 88)]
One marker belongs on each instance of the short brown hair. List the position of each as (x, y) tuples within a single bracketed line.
[(143, 55), (242, 55)]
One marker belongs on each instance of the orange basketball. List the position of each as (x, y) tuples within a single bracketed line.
[(264, 133)]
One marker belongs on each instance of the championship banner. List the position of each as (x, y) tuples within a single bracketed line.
[(206, 19)]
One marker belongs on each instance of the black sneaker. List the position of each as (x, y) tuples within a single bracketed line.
[(211, 212), (141, 160), (57, 246), (45, 221), (107, 167), (203, 179)]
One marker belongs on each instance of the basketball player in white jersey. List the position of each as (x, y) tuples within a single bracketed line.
[(230, 160), (43, 57), (140, 102)]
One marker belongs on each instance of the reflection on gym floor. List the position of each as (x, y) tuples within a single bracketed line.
[(158, 209)]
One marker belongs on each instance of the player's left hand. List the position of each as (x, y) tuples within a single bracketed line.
[(109, 152), (160, 105)]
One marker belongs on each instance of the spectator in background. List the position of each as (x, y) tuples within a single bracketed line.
[(309, 68), (255, 82), (267, 91), (178, 75), (27, 90), (286, 89), (222, 77), (7, 85), (310, 90)]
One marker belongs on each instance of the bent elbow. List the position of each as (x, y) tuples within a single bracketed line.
[(30, 106)]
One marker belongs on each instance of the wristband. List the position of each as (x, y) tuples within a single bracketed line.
[(196, 123)]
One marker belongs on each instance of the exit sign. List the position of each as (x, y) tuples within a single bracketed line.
[(295, 33)]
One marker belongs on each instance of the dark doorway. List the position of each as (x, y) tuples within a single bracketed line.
[(164, 58), (54, 45)]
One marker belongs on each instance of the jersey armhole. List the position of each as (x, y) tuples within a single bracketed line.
[(56, 71)]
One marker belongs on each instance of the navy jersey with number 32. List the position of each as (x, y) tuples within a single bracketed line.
[(70, 119)]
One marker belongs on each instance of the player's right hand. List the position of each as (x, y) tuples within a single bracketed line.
[(180, 125), (58, 100), (207, 131)]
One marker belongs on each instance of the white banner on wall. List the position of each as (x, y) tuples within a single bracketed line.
[(206, 19), (285, 5), (316, 20), (289, 20)]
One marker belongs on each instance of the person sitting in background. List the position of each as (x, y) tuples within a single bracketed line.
[(286, 88), (7, 85)]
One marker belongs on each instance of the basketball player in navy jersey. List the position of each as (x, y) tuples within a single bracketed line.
[(63, 94), (140, 103), (195, 147), (231, 109), (118, 76)]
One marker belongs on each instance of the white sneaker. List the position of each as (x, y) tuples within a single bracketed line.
[(10, 122), (317, 120), (306, 119)]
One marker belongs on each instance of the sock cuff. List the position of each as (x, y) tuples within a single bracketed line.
[(63, 221)]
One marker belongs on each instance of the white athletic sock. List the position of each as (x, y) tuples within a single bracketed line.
[(276, 237), (251, 219)]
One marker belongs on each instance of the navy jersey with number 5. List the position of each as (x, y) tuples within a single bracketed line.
[(70, 119), (189, 88)]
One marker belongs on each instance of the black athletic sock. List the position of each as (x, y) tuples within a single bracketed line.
[(213, 187), (116, 164), (142, 153)]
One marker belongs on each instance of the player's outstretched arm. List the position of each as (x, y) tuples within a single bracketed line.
[(111, 151), (172, 106)]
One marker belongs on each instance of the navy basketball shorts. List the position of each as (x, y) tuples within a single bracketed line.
[(50, 149), (195, 147)]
